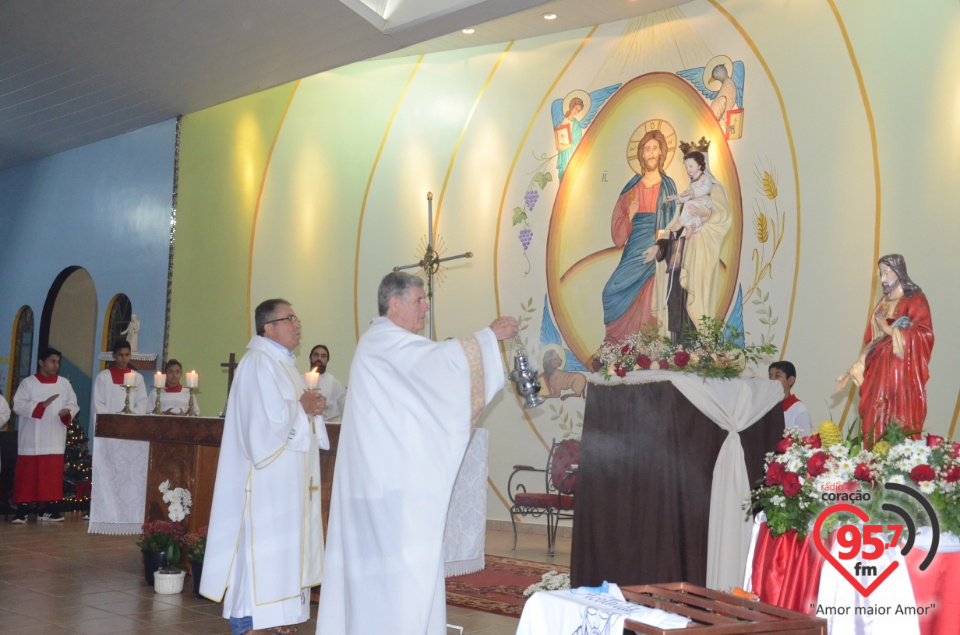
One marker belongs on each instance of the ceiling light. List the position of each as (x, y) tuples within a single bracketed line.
[(469, 31), (549, 16)]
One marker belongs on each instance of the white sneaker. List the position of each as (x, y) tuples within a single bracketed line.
[(19, 520), (86, 516), (55, 517)]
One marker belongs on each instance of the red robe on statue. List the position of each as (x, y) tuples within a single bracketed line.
[(896, 368)]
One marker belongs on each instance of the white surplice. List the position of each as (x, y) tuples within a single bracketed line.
[(265, 539), (46, 434), (177, 402), (331, 388), (119, 493), (4, 410), (405, 430)]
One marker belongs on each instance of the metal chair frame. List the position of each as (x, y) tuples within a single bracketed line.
[(554, 513)]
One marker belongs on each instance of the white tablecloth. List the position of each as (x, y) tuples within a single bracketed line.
[(119, 495), (583, 612)]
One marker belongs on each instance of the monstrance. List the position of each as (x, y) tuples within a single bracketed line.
[(430, 263)]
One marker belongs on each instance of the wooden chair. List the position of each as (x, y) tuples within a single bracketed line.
[(555, 501)]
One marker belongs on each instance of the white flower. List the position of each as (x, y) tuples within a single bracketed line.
[(897, 478), (175, 512), (164, 486), (928, 487)]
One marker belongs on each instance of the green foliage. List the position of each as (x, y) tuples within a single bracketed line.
[(542, 178), (519, 215)]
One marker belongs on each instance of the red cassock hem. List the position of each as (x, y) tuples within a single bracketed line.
[(38, 478)]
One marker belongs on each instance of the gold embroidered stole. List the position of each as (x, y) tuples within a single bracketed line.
[(471, 348)]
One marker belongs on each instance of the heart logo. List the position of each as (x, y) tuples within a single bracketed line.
[(862, 515)]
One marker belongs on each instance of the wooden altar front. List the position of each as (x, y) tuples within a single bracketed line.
[(186, 451), (642, 506)]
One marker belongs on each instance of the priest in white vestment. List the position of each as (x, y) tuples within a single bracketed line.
[(46, 404), (119, 481), (174, 399), (265, 539), (329, 386), (409, 412)]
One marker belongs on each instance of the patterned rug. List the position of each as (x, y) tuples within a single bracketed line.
[(499, 587)]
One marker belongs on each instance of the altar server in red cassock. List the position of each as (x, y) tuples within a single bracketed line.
[(410, 409), (46, 405), (893, 368)]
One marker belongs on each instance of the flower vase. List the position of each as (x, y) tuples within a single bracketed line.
[(152, 560), (168, 583), (196, 570)]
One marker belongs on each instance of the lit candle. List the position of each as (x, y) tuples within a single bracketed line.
[(193, 379), (312, 378), (130, 378), (159, 379)]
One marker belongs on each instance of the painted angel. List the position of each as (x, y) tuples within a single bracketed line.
[(571, 115), (720, 81)]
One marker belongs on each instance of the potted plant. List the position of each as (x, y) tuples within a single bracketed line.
[(161, 540), (160, 543), (196, 547)]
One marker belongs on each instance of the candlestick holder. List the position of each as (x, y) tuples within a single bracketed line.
[(126, 402), (156, 408), (192, 402)]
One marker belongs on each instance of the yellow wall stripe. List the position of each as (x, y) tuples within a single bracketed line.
[(876, 178), (256, 208), (503, 198), (366, 193)]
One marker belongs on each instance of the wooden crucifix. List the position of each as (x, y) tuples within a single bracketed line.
[(430, 263), (231, 366)]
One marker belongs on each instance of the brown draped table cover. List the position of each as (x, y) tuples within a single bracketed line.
[(642, 504)]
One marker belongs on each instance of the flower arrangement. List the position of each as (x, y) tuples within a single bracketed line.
[(715, 351), (167, 536), (196, 544), (178, 501), (549, 581), (803, 476)]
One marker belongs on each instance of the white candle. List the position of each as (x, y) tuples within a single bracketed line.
[(130, 378), (193, 379), (159, 379), (312, 378)]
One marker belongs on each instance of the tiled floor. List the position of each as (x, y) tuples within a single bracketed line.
[(56, 579)]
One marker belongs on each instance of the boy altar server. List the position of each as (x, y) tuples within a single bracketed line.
[(46, 405)]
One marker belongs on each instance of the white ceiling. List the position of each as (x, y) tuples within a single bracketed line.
[(72, 72)]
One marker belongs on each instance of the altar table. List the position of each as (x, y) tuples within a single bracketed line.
[(661, 484), (149, 449)]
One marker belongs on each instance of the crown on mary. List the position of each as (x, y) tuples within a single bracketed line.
[(695, 146)]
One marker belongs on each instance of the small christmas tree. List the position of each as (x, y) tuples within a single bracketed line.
[(77, 470)]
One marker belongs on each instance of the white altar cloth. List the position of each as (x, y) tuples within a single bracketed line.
[(583, 610)]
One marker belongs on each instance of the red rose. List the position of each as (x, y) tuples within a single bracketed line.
[(784, 445), (626, 350), (643, 362), (934, 441), (791, 484), (813, 441), (850, 487), (775, 473), (815, 465), (664, 364), (922, 473), (596, 365), (681, 359), (955, 452), (863, 473), (619, 370), (953, 475)]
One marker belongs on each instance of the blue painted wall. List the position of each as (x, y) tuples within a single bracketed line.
[(104, 207)]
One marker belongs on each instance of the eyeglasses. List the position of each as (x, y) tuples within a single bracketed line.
[(289, 318)]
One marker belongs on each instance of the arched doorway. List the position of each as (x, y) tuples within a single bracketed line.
[(21, 351), (69, 324), (116, 320)]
